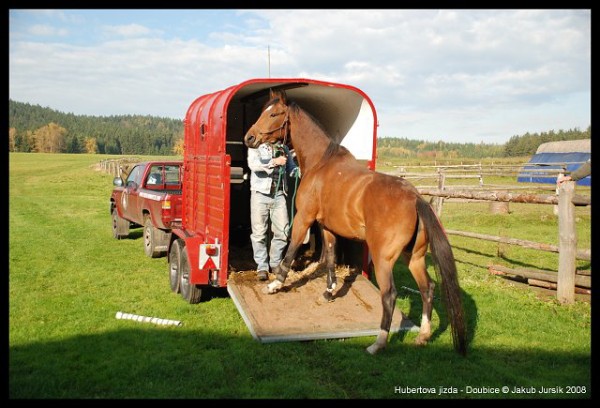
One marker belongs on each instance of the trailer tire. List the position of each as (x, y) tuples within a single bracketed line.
[(175, 265), (120, 226), (151, 234), (191, 293)]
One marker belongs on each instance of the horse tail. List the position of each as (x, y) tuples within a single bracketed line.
[(445, 268)]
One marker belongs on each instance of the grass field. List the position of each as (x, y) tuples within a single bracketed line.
[(68, 277)]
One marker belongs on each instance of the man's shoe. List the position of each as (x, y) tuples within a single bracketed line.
[(263, 275)]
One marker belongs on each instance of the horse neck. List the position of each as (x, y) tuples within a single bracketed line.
[(308, 139)]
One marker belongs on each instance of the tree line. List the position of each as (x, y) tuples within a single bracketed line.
[(33, 128), (517, 146)]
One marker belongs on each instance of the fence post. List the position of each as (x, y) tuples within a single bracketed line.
[(567, 243), (438, 201), (555, 207)]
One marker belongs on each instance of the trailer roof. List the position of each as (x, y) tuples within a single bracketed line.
[(345, 112)]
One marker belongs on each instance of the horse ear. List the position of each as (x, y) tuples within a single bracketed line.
[(278, 94), (283, 97)]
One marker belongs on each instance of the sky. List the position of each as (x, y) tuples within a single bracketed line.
[(452, 75)]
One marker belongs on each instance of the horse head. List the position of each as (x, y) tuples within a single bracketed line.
[(273, 123)]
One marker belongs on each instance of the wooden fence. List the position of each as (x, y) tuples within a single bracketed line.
[(568, 281), (118, 167), (566, 200)]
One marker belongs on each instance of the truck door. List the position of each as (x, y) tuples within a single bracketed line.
[(130, 200)]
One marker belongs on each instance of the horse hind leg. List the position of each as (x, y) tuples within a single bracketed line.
[(329, 240), (385, 281), (418, 269)]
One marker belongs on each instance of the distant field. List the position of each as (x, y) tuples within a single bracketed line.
[(68, 277)]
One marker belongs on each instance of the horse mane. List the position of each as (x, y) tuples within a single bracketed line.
[(297, 109), (334, 148)]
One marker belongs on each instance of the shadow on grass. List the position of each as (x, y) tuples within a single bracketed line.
[(135, 234), (407, 287), (169, 362)]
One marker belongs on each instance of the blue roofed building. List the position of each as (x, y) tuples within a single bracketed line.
[(553, 156)]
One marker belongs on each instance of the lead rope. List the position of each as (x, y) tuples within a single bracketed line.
[(279, 176), (297, 176), (280, 172)]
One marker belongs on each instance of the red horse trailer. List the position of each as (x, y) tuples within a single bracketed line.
[(215, 226)]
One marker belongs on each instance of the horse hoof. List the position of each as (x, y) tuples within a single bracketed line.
[(421, 341), (328, 296), (274, 286), (372, 349)]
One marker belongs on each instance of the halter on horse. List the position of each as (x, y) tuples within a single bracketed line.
[(351, 201)]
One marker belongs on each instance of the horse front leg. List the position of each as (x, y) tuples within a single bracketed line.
[(299, 230), (328, 256)]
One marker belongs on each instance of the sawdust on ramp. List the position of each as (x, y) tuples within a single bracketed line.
[(299, 311)]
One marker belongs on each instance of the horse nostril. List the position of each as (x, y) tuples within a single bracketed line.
[(249, 139)]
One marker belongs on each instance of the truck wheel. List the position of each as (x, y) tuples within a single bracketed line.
[(120, 226), (191, 293), (150, 237), (175, 265)]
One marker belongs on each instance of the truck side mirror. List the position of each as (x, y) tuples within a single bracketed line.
[(118, 182)]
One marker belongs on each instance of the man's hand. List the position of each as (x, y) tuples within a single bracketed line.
[(560, 179), (279, 161)]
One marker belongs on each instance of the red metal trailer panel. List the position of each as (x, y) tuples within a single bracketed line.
[(215, 165)]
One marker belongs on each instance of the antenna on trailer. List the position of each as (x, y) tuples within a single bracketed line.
[(269, 59)]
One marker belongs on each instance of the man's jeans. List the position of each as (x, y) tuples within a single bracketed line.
[(262, 208)]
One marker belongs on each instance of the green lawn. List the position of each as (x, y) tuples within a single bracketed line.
[(68, 278)]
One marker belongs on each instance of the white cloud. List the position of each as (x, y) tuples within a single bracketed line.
[(129, 30), (432, 74), (46, 30)]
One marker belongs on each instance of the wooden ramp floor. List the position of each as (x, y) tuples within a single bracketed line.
[(300, 312)]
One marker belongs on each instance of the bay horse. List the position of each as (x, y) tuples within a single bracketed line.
[(349, 200)]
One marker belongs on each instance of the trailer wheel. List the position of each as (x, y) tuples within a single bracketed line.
[(175, 265), (150, 239), (191, 293), (120, 226)]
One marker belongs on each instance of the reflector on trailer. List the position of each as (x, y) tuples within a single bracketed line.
[(209, 256)]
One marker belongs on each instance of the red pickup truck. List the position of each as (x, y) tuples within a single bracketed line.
[(150, 197)]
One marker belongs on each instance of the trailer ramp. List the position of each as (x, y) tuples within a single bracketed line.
[(299, 311)]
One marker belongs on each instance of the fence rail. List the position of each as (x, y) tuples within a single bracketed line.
[(565, 201), (538, 170), (117, 167), (578, 200), (584, 254)]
